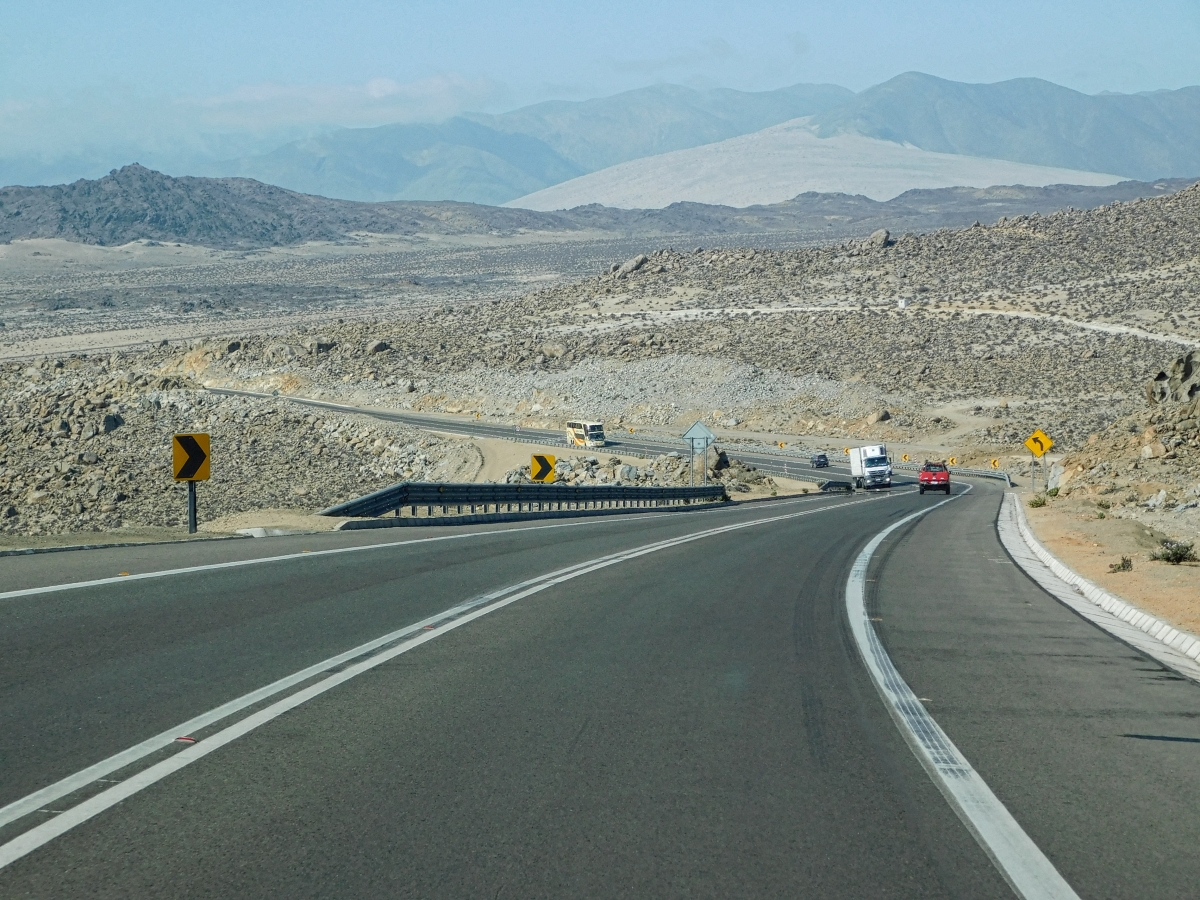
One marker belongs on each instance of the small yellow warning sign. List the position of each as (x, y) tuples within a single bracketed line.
[(1039, 443)]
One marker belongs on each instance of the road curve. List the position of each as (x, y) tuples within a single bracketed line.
[(787, 464), (691, 720)]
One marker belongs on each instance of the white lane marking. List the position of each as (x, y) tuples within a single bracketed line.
[(462, 613), (1026, 869), (235, 564)]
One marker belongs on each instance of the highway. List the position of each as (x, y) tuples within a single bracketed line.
[(659, 705), (785, 463)]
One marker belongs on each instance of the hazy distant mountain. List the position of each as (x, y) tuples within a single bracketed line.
[(1145, 136), (595, 134), (496, 158), (136, 203), (492, 159), (777, 163), (455, 160)]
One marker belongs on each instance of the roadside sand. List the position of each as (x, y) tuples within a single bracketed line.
[(501, 456), (1071, 531), (284, 519)]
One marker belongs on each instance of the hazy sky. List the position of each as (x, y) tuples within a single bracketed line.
[(215, 77)]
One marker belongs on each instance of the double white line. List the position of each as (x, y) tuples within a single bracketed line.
[(371, 654)]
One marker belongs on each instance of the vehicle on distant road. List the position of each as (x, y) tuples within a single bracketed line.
[(870, 466), (586, 434), (819, 461), (934, 476)]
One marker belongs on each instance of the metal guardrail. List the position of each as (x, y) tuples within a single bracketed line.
[(418, 494), (998, 474)]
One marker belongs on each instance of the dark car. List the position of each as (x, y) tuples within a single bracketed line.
[(820, 461)]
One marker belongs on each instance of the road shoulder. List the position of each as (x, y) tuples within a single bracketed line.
[(1177, 649)]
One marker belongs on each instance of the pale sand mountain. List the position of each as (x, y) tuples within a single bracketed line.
[(779, 162)]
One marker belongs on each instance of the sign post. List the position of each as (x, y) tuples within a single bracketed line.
[(190, 463), (1039, 443), (699, 435)]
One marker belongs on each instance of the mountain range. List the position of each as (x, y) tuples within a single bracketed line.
[(495, 159), (136, 203), (777, 163)]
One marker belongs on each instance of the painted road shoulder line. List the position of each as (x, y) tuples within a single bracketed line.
[(1026, 869), (1175, 649), (410, 637), (359, 548)]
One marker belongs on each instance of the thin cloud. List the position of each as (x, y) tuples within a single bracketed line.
[(798, 41), (711, 51), (110, 126), (378, 101)]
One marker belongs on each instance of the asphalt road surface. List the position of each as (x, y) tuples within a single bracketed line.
[(794, 465), (687, 717)]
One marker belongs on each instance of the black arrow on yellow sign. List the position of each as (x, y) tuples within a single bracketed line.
[(190, 457), (542, 467)]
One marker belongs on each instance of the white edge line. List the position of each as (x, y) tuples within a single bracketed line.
[(1026, 869), (41, 834), (259, 560)]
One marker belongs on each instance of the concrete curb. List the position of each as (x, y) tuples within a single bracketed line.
[(1176, 649)]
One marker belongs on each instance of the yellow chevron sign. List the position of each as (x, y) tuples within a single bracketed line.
[(541, 467)]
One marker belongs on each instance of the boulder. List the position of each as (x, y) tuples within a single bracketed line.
[(279, 354), (715, 459), (1179, 383), (879, 238), (111, 423), (378, 346), (880, 415), (1157, 450), (319, 344), (632, 265)]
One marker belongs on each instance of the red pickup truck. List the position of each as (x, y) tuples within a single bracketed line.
[(934, 477)]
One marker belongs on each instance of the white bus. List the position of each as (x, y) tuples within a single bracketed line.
[(586, 434)]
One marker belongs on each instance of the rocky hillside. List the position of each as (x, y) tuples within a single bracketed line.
[(1037, 321), (83, 445), (136, 203), (1144, 466), (965, 340)]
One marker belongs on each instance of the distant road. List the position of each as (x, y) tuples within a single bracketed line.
[(661, 706), (783, 464)]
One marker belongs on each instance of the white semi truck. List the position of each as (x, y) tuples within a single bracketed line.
[(870, 466)]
